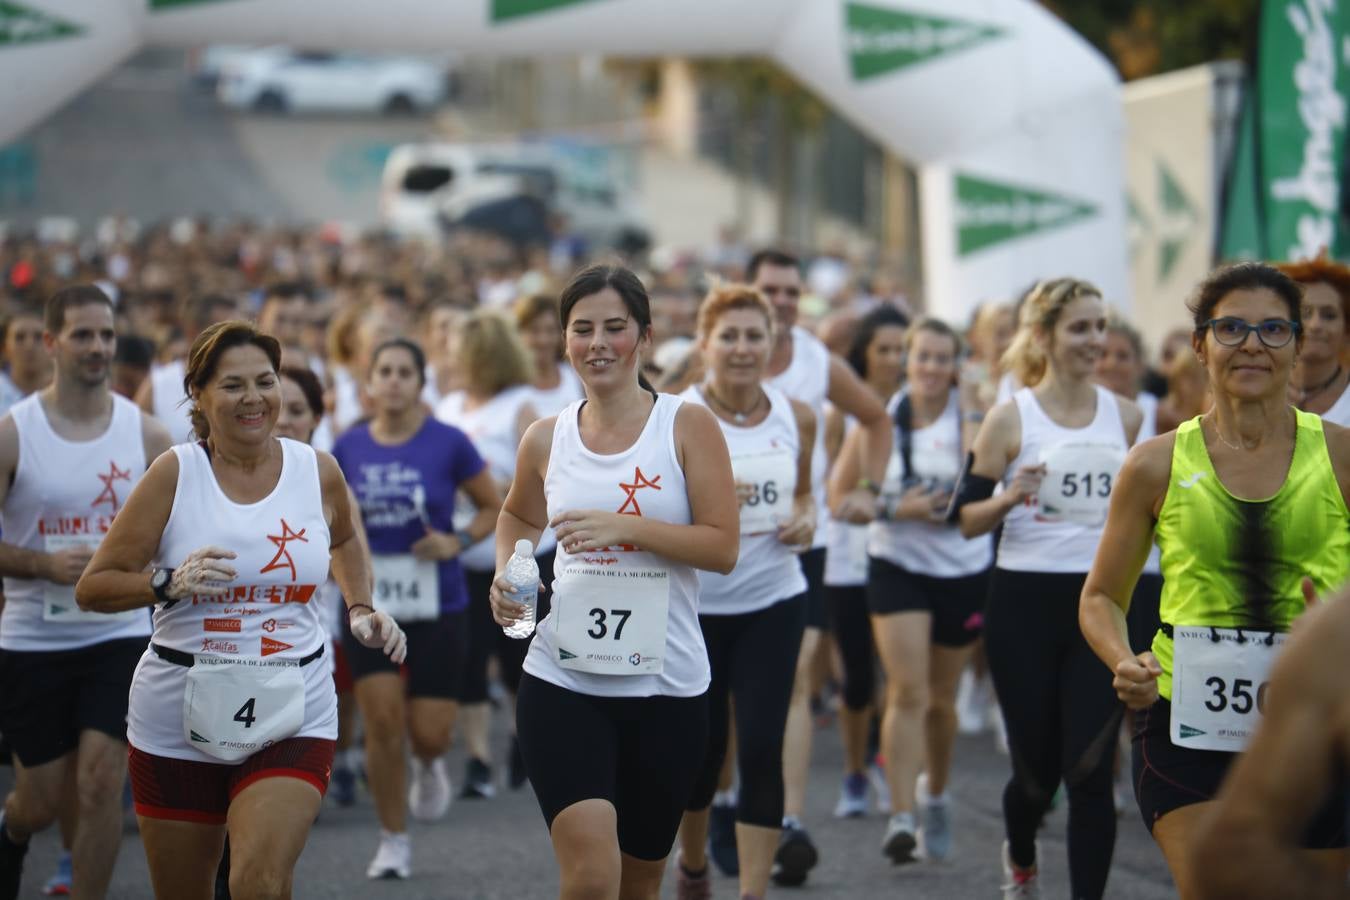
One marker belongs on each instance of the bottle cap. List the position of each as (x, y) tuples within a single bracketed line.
[(524, 548)]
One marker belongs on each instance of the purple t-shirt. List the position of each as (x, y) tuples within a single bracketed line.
[(438, 459)]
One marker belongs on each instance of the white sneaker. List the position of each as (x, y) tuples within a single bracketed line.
[(935, 824), (881, 791), (429, 795), (1021, 885), (972, 702), (393, 859)]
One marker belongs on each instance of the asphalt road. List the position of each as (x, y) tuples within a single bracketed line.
[(498, 849)]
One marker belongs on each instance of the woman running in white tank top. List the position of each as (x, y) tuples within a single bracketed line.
[(639, 490), (230, 717)]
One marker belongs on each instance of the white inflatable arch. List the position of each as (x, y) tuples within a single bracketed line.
[(1014, 122)]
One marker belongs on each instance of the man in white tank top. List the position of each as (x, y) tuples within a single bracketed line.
[(69, 457)]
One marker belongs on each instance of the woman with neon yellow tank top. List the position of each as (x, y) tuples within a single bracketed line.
[(1247, 503)]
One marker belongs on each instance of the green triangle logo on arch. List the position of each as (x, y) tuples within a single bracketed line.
[(505, 10), (882, 39), (1178, 223), (992, 212), (21, 25)]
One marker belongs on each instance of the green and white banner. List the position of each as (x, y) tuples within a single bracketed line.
[(1284, 196), (1013, 120)]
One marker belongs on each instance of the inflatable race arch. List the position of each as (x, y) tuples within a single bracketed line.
[(1012, 120)]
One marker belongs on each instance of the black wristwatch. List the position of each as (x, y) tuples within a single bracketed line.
[(159, 583)]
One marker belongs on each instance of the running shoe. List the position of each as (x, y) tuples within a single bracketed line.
[(899, 843), (691, 885), (516, 774), (429, 795), (477, 781), (11, 863), (935, 824), (795, 857), (852, 797), (59, 884), (1020, 884), (342, 787), (393, 859), (722, 840)]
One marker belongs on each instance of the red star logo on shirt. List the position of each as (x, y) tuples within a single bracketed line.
[(630, 505), (283, 558), (109, 494)]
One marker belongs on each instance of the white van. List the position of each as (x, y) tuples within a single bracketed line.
[(426, 185)]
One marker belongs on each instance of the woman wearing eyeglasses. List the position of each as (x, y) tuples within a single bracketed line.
[(1247, 503)]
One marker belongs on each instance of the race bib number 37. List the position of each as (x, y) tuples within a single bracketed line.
[(1219, 688), (612, 621)]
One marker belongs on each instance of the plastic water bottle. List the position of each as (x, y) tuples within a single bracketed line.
[(523, 573)]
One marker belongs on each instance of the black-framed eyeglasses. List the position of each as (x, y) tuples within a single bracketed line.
[(1232, 331)]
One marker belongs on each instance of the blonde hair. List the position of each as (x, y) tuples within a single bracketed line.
[(1040, 312), (724, 298), (491, 354)]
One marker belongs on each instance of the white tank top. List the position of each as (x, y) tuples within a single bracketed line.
[(1148, 405), (767, 571), (645, 480), (928, 548), (1039, 535), (807, 378), (845, 543), (66, 493), (551, 401), (492, 428), (1340, 410), (171, 405), (274, 609)]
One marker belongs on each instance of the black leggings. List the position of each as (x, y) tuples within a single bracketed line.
[(638, 753), (487, 638), (853, 634), (1062, 718), (753, 658)]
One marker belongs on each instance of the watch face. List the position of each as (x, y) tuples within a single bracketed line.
[(160, 578)]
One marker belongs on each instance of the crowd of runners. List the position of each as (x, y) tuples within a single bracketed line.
[(258, 491)]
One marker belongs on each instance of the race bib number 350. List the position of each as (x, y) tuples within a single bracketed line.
[(1219, 688), (612, 621), (1078, 481)]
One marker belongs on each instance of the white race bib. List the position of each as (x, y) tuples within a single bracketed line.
[(1078, 481), (407, 588), (612, 621), (1219, 689), (772, 475), (58, 600), (232, 708)]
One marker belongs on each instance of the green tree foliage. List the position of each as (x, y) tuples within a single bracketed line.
[(1145, 37)]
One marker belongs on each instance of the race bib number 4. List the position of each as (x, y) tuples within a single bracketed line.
[(1078, 481), (233, 708), (407, 588), (58, 600), (772, 477), (1219, 688), (612, 622)]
